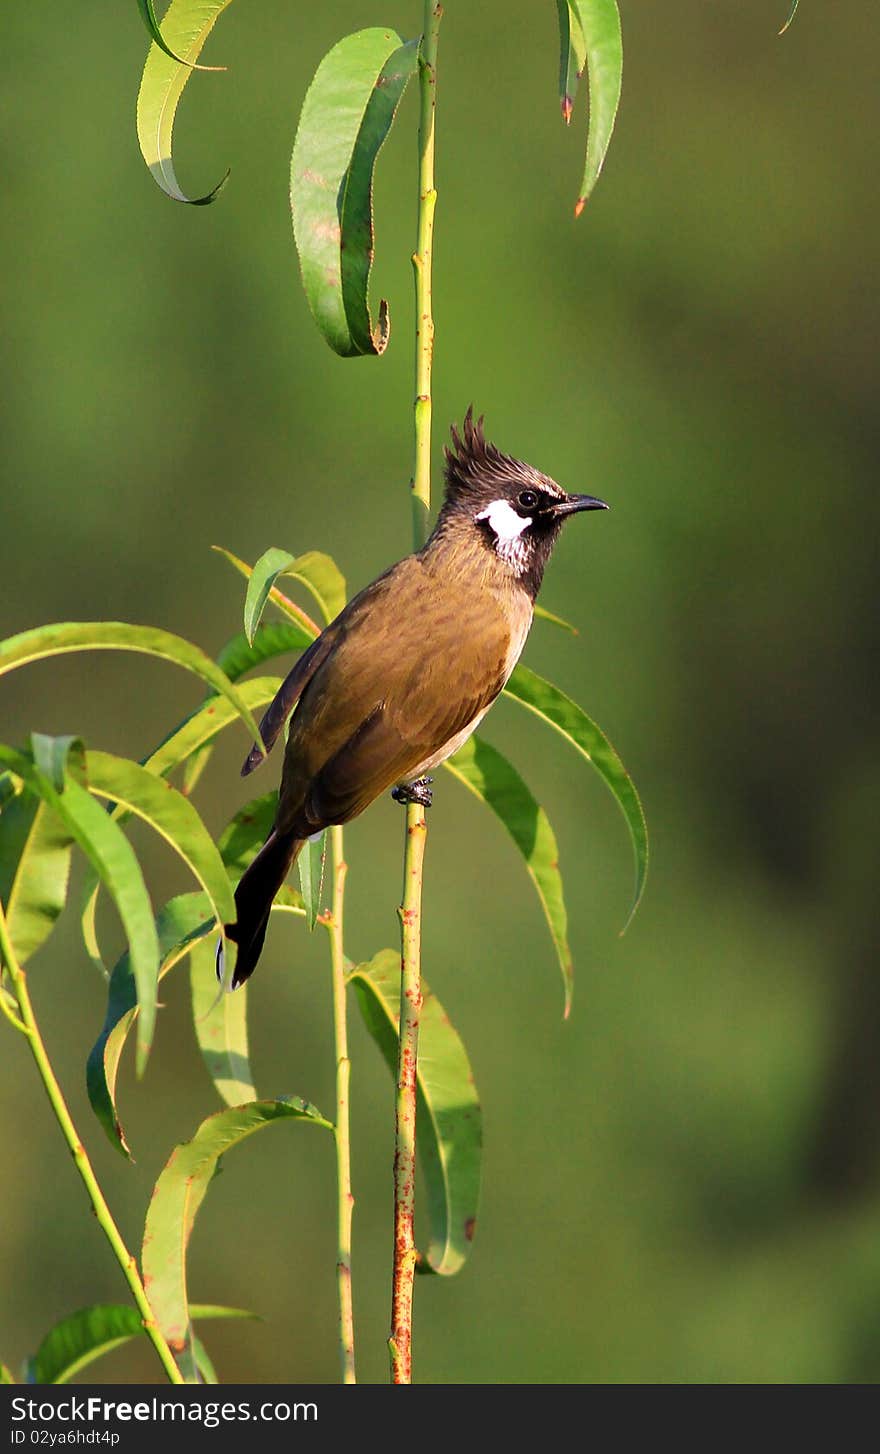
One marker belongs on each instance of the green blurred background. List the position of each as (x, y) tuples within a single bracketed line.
[(683, 1182)]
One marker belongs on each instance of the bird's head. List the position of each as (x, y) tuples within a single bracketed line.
[(516, 510)]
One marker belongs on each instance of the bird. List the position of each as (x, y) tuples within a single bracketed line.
[(409, 668)]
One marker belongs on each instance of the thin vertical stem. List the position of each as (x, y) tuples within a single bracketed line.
[(345, 1200), (400, 1342), (126, 1260), (423, 258)]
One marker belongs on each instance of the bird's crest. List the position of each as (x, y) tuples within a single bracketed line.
[(472, 462)]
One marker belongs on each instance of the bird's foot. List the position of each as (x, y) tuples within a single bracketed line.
[(415, 792)]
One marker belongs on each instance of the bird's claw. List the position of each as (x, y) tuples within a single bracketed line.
[(415, 792)]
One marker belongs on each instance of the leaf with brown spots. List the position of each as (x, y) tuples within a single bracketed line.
[(177, 1197), (346, 116)]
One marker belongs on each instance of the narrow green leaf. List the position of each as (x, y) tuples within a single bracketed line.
[(181, 924), (6, 1374), (113, 859), (57, 756), (278, 598), (206, 722), (553, 706), (197, 731), (176, 1199), (497, 783), (34, 870), (791, 16), (320, 574), (275, 639), (346, 117), (201, 1357), (263, 577), (448, 1122), (272, 638), (185, 28), (544, 615), (88, 1334), (599, 22), (311, 875), (46, 641), (220, 1023), (572, 56), (134, 789), (152, 24)]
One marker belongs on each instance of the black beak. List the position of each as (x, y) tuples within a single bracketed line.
[(572, 504)]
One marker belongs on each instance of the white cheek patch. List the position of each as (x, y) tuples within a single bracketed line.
[(504, 522)]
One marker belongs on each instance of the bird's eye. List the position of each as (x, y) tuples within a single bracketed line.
[(528, 499)]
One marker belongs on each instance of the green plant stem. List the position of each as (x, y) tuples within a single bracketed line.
[(345, 1200), (127, 1262), (423, 259), (405, 1256)]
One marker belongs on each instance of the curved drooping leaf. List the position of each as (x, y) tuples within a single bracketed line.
[(791, 15), (204, 724), (542, 614), (176, 1199), (61, 637), (271, 564), (34, 870), (183, 925), (133, 789), (186, 26), (496, 782), (271, 639), (449, 1122), (149, 17), (599, 24), (180, 924), (114, 861), (346, 116), (220, 1023), (89, 1333), (191, 737), (553, 706), (55, 757), (278, 598), (275, 639), (320, 574), (572, 56)]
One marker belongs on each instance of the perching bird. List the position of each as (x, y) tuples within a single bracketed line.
[(410, 667)]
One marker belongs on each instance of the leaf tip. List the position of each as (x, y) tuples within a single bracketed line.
[(567, 108), (579, 206), (382, 331), (791, 16)]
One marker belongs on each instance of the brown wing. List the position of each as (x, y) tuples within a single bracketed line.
[(288, 694), (390, 694)]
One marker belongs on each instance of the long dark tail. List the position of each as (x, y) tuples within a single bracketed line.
[(253, 899)]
